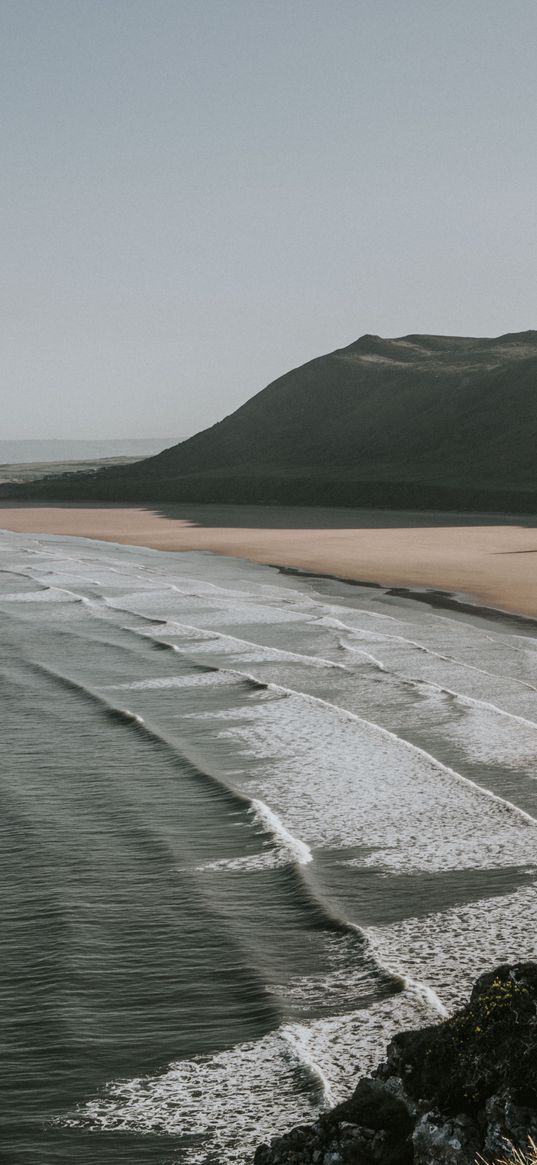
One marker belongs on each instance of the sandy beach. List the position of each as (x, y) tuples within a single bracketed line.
[(493, 565)]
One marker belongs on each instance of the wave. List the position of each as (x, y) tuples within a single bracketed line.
[(133, 720), (346, 715), (277, 654), (297, 854), (224, 1105), (296, 1035), (267, 821), (45, 595), (367, 655), (471, 701), (211, 679), (451, 659), (298, 850), (481, 935)]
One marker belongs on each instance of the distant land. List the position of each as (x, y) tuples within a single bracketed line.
[(23, 460), (425, 422)]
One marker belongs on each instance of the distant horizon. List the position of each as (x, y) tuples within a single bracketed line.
[(27, 450), (75, 440)]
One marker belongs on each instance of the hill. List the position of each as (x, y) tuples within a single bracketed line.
[(422, 421)]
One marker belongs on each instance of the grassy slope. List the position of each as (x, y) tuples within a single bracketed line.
[(421, 421)]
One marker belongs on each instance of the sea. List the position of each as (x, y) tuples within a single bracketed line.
[(29, 452), (253, 823)]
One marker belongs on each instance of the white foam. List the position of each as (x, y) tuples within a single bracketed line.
[(336, 779), (230, 1101), (201, 640), (126, 712), (47, 595), (472, 702), (396, 655), (298, 850), (509, 805), (239, 1098), (166, 601), (298, 1036), (209, 680), (367, 655), (427, 995), (527, 639), (449, 949), (244, 865)]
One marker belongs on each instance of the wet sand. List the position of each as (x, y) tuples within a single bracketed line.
[(495, 566)]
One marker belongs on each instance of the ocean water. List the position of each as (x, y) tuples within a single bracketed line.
[(27, 452), (252, 824)]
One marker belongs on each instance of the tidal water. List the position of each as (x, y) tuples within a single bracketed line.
[(252, 823)]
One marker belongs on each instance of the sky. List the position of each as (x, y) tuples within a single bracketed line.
[(198, 195)]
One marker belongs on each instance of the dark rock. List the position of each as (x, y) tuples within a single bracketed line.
[(373, 1104), (508, 1123), (453, 1142), (489, 1046), (445, 1094)]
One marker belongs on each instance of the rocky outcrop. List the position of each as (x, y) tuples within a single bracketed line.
[(443, 1095)]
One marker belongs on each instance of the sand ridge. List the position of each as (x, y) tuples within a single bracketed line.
[(494, 565)]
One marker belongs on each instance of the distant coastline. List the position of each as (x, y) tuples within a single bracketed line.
[(54, 451), (23, 462)]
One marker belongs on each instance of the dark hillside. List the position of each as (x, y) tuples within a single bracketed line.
[(420, 421)]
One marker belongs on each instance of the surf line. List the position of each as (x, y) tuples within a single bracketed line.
[(363, 633), (271, 822), (346, 715), (272, 652), (299, 852), (415, 987), (302, 854), (461, 697)]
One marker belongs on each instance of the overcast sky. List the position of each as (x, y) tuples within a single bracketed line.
[(201, 194)]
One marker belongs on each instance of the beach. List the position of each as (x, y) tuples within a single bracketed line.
[(491, 565)]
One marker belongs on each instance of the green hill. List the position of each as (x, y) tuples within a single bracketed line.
[(423, 421)]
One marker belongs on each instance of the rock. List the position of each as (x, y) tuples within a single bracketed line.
[(489, 1046), (508, 1123), (453, 1142), (444, 1094)]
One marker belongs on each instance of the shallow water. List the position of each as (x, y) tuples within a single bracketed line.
[(252, 823)]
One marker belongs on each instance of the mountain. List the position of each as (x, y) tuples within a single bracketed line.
[(423, 421)]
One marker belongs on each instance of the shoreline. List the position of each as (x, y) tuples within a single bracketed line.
[(479, 568), (465, 604)]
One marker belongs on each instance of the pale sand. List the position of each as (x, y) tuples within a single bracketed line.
[(494, 565)]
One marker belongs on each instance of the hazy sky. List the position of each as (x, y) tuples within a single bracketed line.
[(200, 194)]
